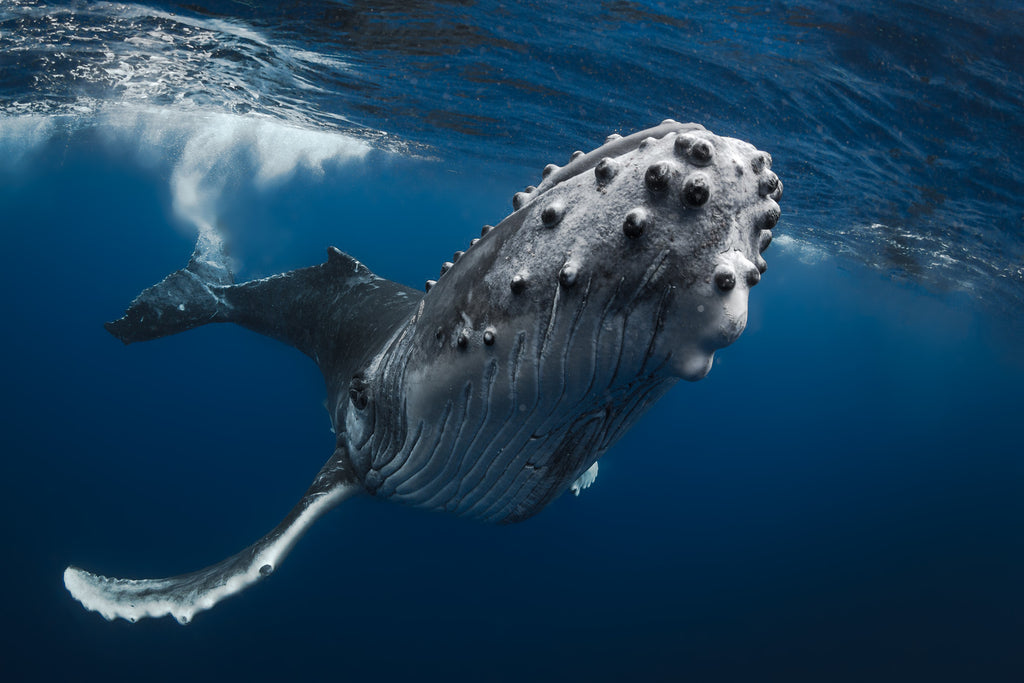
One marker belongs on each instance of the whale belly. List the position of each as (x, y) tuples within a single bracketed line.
[(529, 415)]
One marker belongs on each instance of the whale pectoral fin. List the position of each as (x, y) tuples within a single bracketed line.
[(584, 480), (187, 594)]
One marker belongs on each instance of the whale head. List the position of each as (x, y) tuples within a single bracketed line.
[(674, 216), (540, 344)]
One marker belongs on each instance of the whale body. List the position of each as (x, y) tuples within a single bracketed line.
[(498, 388)]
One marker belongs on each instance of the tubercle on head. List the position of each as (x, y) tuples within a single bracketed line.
[(693, 150), (614, 147), (604, 160), (448, 265)]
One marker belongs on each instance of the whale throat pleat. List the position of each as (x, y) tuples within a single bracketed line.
[(530, 423)]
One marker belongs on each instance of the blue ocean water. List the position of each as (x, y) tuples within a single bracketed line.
[(839, 500)]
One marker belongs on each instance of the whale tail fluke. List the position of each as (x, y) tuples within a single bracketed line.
[(185, 595), (186, 298)]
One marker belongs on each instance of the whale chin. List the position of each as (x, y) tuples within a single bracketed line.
[(722, 326), (693, 364), (732, 324)]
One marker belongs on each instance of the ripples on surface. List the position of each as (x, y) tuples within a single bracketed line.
[(895, 125)]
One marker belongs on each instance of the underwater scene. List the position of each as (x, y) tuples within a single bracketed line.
[(841, 498)]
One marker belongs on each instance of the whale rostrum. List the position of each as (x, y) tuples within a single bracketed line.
[(533, 351)]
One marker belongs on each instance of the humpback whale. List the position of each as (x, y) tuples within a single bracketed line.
[(498, 388)]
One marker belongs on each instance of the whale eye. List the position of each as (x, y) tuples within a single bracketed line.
[(358, 392)]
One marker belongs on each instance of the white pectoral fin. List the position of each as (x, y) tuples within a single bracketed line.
[(187, 594), (584, 480)]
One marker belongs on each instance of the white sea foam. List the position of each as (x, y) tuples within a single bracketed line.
[(22, 135), (806, 252), (212, 150), (207, 152), (209, 103)]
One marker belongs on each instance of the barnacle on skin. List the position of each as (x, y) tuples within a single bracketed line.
[(636, 223), (606, 169), (568, 274), (552, 214)]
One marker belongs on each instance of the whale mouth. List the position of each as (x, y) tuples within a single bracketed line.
[(693, 364)]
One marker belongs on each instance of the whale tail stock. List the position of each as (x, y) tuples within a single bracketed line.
[(332, 312), (184, 595)]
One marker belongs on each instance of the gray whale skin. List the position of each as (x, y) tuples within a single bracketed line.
[(537, 348)]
